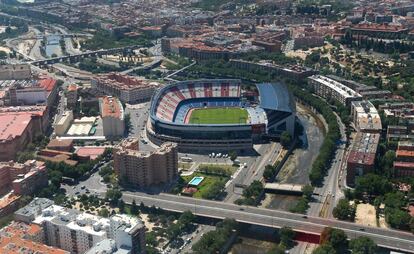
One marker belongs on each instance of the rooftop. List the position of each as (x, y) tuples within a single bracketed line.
[(13, 124), (125, 82), (111, 107), (336, 86), (92, 151), (8, 199), (276, 97), (364, 148)]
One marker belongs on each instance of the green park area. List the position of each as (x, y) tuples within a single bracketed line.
[(214, 177), (210, 187), (218, 116)]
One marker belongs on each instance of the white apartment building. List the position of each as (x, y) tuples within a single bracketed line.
[(78, 232), (331, 89)]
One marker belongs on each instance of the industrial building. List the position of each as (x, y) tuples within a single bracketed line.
[(144, 169)]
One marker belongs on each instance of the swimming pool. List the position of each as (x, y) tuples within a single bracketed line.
[(196, 181)]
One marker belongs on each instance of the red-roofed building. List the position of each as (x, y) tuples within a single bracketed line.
[(361, 157), (18, 129), (19, 237), (379, 30), (402, 169), (92, 151), (50, 85), (112, 114)]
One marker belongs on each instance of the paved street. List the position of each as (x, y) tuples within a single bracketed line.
[(394, 239)]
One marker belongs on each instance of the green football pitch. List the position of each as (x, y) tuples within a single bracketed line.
[(218, 116)]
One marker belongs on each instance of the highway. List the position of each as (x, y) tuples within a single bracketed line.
[(393, 239)]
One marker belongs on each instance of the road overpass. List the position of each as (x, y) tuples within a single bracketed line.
[(77, 57), (392, 239)]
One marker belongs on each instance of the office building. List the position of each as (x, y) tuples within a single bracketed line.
[(144, 169)]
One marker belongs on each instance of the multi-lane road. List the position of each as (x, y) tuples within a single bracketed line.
[(392, 239)]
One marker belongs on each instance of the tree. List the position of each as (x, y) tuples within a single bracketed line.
[(334, 237), (372, 185), (285, 139), (134, 207), (307, 191), (213, 190), (394, 200), (363, 245), (269, 172), (397, 218), (3, 55), (187, 217), (103, 212), (113, 195), (338, 239), (286, 235), (121, 206), (233, 155), (343, 210), (324, 249)]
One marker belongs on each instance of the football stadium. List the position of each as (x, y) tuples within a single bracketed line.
[(214, 115)]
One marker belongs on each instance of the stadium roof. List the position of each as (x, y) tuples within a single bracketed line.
[(275, 97)]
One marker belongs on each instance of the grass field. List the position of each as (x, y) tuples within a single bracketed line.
[(218, 116)]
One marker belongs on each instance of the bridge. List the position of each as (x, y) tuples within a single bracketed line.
[(78, 57), (295, 189), (387, 238)]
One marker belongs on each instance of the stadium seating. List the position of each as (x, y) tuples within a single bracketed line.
[(175, 102)]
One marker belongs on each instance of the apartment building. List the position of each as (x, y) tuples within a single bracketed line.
[(15, 71), (361, 157), (112, 113), (22, 178), (78, 232), (144, 169), (365, 117), (19, 237), (127, 89), (71, 96), (331, 89)]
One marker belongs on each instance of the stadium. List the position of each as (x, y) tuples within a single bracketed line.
[(216, 115)]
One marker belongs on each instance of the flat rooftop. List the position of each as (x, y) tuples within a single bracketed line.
[(111, 107), (125, 82), (335, 85)]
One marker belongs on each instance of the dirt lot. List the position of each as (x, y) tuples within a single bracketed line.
[(365, 215)]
